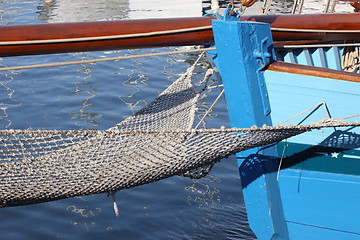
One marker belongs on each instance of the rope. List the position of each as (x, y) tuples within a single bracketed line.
[(281, 160), (326, 122), (294, 7), (155, 143), (306, 110), (313, 30), (210, 108), (216, 86), (350, 60), (319, 45), (301, 6), (266, 7), (327, 6), (356, 115), (112, 37), (103, 59)]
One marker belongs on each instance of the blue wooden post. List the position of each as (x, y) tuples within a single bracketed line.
[(243, 50)]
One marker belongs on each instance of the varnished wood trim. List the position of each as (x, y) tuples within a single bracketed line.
[(37, 32), (83, 30), (310, 21), (313, 71), (356, 5)]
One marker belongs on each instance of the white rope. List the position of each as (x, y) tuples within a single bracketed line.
[(356, 115), (294, 7), (103, 59), (301, 6), (350, 59), (99, 38), (210, 108), (319, 45), (281, 160), (313, 30), (266, 7), (310, 108), (216, 86)]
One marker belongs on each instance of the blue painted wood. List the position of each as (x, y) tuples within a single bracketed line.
[(320, 57), (333, 59), (293, 58), (308, 57), (300, 57), (316, 204), (318, 200), (301, 232), (239, 47), (337, 59), (291, 94)]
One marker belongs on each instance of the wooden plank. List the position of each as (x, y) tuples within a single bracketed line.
[(312, 199), (313, 71), (248, 105), (330, 22), (190, 36), (78, 31)]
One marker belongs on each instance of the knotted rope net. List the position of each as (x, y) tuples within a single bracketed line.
[(155, 143)]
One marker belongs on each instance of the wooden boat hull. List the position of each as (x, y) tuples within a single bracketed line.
[(93, 36), (307, 186), (320, 172)]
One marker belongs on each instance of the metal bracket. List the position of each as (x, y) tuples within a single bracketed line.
[(262, 54), (264, 58)]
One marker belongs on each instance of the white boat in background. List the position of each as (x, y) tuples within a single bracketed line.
[(54, 11), (164, 9)]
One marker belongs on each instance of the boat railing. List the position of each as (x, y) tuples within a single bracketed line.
[(280, 66), (342, 56)]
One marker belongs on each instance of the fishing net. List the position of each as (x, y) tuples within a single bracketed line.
[(155, 143)]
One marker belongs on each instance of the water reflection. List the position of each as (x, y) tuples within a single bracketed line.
[(6, 97), (107, 10), (80, 11)]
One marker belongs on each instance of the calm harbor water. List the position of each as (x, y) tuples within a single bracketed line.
[(97, 96)]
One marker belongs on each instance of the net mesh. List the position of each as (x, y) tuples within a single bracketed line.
[(155, 143)]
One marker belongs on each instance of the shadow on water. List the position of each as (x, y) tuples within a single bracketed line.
[(256, 165)]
